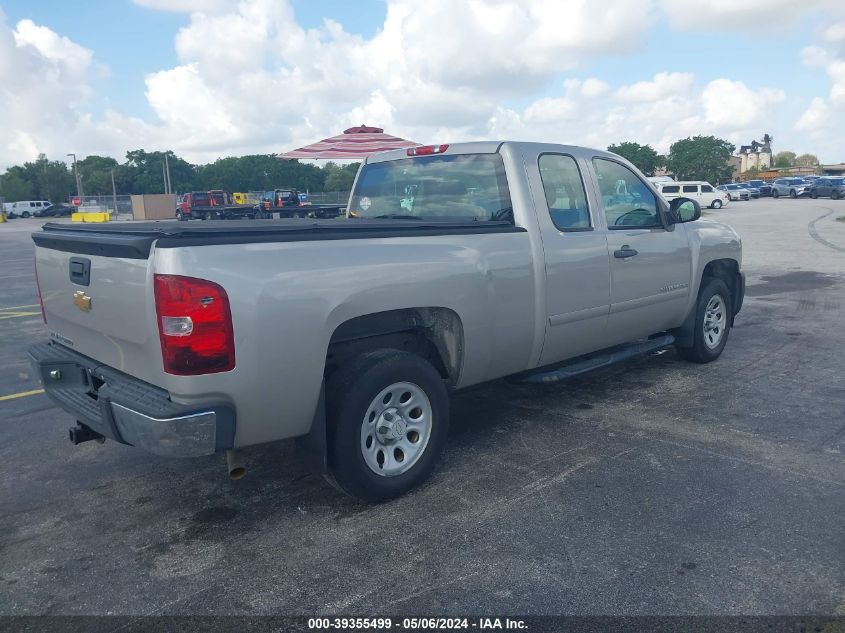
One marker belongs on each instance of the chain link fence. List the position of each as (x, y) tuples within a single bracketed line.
[(329, 197), (116, 205)]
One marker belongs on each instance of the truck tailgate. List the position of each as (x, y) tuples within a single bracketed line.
[(98, 306)]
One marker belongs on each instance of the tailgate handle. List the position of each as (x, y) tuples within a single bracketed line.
[(80, 270)]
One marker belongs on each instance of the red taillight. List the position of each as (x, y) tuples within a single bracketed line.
[(425, 150), (194, 325), (40, 299)]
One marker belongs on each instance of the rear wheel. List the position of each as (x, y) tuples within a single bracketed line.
[(775, 193), (388, 415), (25, 214), (716, 204), (180, 216), (814, 194), (712, 322), (834, 195), (793, 193)]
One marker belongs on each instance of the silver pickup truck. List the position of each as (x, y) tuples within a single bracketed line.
[(456, 264)]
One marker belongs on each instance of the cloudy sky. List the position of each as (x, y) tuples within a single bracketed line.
[(213, 78)]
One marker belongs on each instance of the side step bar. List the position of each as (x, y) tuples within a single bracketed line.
[(609, 357)]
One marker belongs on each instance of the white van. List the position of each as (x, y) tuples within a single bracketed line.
[(27, 208), (702, 192)]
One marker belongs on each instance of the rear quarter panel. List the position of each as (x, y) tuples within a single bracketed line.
[(288, 298)]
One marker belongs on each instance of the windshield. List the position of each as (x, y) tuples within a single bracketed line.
[(459, 187)]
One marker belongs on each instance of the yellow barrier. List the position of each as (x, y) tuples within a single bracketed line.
[(90, 217), (2, 217)]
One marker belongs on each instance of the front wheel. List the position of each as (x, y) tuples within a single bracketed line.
[(814, 194), (25, 214), (793, 193), (834, 195), (775, 193), (716, 204), (388, 415), (712, 322)]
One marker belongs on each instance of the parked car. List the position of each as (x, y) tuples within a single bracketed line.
[(830, 186), (753, 191), (61, 211), (764, 187), (734, 191), (792, 187), (702, 192), (28, 209), (524, 256)]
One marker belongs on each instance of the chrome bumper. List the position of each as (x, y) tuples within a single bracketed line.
[(128, 410)]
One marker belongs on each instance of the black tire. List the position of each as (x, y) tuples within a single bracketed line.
[(775, 193), (208, 216), (716, 204), (701, 352), (834, 195), (350, 392), (180, 216), (814, 194), (25, 214), (793, 193)]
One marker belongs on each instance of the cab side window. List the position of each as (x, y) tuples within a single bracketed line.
[(565, 193), (690, 188), (628, 202)]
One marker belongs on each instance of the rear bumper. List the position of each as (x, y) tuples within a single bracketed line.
[(128, 410)]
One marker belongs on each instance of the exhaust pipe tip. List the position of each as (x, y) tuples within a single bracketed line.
[(235, 465)]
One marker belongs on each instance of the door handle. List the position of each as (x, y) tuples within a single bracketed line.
[(625, 251)]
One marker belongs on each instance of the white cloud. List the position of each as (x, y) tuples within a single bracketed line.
[(250, 78), (822, 120), (731, 105), (780, 15), (663, 85)]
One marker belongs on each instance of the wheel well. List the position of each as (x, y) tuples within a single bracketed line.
[(727, 270), (436, 334)]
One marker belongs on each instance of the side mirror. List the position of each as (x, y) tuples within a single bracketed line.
[(684, 210)]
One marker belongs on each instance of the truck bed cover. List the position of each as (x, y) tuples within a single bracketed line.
[(135, 239)]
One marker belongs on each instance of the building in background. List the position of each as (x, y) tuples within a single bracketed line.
[(757, 155)]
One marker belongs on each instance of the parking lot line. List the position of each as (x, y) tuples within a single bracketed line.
[(34, 305), (22, 394), (17, 315)]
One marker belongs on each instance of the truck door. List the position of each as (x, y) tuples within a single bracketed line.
[(650, 264), (576, 262)]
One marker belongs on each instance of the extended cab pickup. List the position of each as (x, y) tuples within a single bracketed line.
[(527, 259)]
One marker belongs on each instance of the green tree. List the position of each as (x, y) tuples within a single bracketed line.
[(95, 174), (701, 158), (806, 160), (339, 178), (51, 179), (644, 157), (14, 186), (785, 159), (143, 173), (752, 173)]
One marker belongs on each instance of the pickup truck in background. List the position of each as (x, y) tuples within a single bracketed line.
[(536, 260), (211, 205)]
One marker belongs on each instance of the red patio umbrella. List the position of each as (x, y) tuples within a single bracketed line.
[(356, 142)]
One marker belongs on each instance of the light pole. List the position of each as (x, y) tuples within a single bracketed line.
[(76, 177)]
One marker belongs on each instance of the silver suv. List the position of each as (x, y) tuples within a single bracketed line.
[(792, 187)]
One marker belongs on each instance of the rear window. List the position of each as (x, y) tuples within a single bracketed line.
[(670, 189), (459, 187)]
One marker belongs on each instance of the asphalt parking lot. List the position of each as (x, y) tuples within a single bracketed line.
[(653, 487)]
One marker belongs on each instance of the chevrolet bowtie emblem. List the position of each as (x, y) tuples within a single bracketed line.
[(81, 300)]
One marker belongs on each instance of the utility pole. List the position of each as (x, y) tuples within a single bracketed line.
[(168, 188), (113, 192), (164, 176), (76, 177)]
